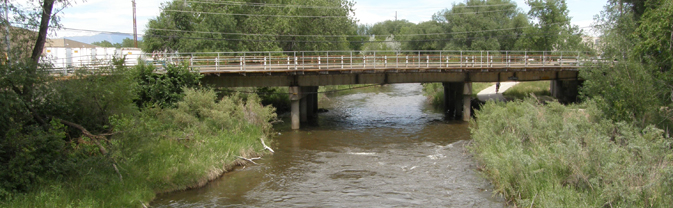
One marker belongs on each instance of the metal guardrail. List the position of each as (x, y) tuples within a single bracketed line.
[(345, 60)]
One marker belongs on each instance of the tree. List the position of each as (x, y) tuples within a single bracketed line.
[(481, 25), (288, 25), (655, 32), (104, 43), (552, 29)]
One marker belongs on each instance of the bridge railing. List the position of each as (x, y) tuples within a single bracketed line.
[(362, 60)]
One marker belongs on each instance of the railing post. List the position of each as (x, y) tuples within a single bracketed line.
[(507, 55), (397, 60), (427, 61), (488, 63), (327, 60), (288, 63), (481, 59), (295, 60), (364, 61), (578, 59), (385, 64), (342, 62), (240, 62), (461, 58), (303, 66), (543, 54), (264, 62), (525, 56), (419, 59), (440, 59), (244, 67), (561, 62), (374, 59), (217, 62), (351, 63), (407, 62), (319, 67)]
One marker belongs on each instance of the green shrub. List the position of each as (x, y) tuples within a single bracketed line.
[(163, 89), (558, 156)]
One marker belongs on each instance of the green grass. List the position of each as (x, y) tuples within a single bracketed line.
[(563, 156), (524, 89), (161, 150)]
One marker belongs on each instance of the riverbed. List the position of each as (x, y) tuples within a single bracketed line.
[(375, 147)]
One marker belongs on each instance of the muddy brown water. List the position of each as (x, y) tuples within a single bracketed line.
[(376, 147)]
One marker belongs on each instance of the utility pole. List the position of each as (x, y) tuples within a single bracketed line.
[(395, 15), (8, 34), (135, 28)]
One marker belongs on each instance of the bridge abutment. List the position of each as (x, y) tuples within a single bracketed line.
[(457, 98), (566, 91)]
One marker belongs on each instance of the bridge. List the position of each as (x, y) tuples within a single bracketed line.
[(304, 71)]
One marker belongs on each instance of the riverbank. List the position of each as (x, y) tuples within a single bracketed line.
[(161, 150), (570, 156)]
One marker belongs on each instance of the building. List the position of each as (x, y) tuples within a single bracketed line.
[(64, 53)]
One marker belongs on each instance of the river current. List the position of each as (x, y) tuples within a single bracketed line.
[(375, 147)]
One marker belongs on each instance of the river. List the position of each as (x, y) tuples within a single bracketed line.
[(376, 147)]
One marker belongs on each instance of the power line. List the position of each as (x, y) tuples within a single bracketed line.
[(255, 15), (234, 3), (305, 16), (281, 35)]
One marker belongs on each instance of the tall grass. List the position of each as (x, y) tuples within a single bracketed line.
[(524, 89), (161, 150), (562, 156)]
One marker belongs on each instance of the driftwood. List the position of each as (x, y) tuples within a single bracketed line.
[(95, 139), (251, 160), (266, 147)]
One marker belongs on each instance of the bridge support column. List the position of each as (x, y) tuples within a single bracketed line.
[(467, 101), (565, 91), (295, 98), (457, 100)]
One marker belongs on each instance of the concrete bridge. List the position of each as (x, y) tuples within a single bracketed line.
[(304, 71)]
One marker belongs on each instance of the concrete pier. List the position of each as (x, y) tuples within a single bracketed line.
[(304, 104), (457, 99)]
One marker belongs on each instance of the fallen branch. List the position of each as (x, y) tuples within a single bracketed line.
[(95, 139), (251, 160), (266, 147)]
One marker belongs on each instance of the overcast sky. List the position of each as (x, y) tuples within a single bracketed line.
[(116, 16)]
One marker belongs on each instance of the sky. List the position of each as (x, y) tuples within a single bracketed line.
[(116, 15)]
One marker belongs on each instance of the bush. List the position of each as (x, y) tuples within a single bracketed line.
[(163, 89), (630, 92), (558, 156)]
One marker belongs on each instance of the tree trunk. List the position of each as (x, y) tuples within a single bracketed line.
[(47, 7)]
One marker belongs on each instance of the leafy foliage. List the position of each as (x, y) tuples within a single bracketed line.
[(197, 26), (163, 89)]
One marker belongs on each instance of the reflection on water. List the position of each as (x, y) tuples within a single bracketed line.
[(376, 147)]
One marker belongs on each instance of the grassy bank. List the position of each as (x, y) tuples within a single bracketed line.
[(563, 156), (159, 150), (524, 89)]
